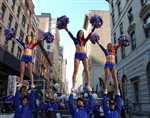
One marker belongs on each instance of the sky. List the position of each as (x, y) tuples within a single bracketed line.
[(75, 10)]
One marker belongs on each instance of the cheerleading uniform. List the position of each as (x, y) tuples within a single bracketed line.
[(80, 56), (109, 64), (27, 58)]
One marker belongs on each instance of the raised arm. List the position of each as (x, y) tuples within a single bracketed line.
[(20, 41), (72, 37), (17, 98), (72, 108), (117, 47), (89, 106), (118, 103), (32, 100), (35, 44), (104, 50), (105, 107), (89, 35)]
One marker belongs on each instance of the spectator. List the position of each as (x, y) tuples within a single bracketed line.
[(42, 108), (9, 101), (114, 109), (61, 106), (126, 106), (24, 109), (80, 111), (95, 110), (101, 111)]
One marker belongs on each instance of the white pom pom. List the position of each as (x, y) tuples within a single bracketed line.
[(55, 95), (94, 96), (85, 95), (56, 86)]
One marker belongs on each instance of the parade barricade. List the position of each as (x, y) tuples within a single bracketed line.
[(60, 114)]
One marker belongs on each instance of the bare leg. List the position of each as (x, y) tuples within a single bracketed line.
[(76, 66), (114, 75), (107, 74), (22, 66), (30, 72), (86, 69)]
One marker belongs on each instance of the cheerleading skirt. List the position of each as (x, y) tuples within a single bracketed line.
[(26, 58), (110, 65), (80, 56)]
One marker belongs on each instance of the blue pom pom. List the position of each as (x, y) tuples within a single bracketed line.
[(124, 40), (96, 21), (94, 38), (9, 33), (49, 37), (62, 22)]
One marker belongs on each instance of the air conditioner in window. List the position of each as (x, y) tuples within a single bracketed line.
[(129, 15), (146, 26)]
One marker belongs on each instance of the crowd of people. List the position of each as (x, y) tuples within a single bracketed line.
[(25, 106)]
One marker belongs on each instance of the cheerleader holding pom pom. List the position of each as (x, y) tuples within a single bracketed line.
[(110, 65), (27, 54)]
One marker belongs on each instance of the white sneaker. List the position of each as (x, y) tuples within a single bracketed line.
[(89, 88), (73, 89), (19, 85), (32, 86)]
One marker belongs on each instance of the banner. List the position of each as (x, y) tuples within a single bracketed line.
[(60, 114)]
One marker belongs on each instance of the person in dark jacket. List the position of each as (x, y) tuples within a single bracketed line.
[(42, 107), (24, 109), (114, 109), (80, 111), (96, 111), (61, 106)]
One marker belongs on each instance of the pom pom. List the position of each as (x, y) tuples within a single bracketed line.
[(96, 21), (85, 95), (124, 41), (56, 86), (94, 38), (9, 33), (94, 96), (55, 95), (49, 37), (62, 22)]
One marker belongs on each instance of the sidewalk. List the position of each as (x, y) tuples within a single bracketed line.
[(134, 116)]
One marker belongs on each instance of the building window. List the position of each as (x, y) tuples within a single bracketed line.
[(121, 28), (119, 8), (112, 5), (18, 11), (16, 27), (136, 91), (10, 20), (34, 22), (13, 4), (130, 15), (12, 47), (114, 36), (28, 29), (32, 35), (143, 2), (6, 44), (146, 26), (19, 53), (133, 40), (21, 35), (23, 21), (123, 52), (48, 47), (25, 4), (113, 19), (3, 9)]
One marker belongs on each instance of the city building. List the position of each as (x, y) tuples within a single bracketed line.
[(62, 70), (132, 18), (19, 15), (46, 23), (96, 57)]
